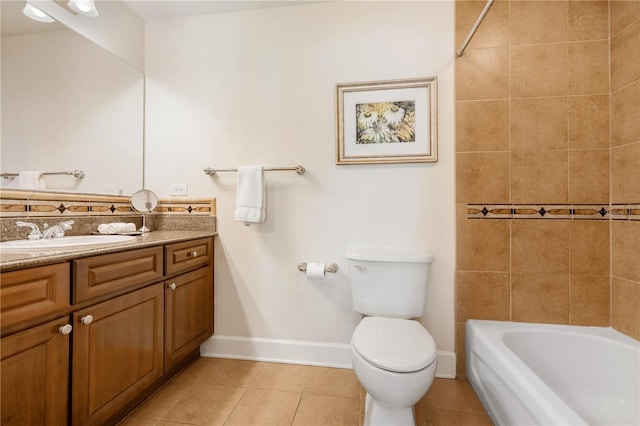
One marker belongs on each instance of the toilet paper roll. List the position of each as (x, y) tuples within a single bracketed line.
[(315, 271)]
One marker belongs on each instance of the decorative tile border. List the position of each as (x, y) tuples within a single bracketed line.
[(40, 204), (554, 211)]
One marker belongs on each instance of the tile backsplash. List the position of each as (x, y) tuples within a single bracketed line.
[(89, 210)]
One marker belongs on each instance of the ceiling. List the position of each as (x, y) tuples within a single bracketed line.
[(165, 9)]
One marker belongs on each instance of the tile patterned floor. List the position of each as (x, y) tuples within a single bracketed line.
[(214, 391)]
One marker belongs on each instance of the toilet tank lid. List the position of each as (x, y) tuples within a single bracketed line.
[(389, 255)]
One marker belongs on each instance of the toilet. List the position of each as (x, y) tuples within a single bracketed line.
[(394, 356)]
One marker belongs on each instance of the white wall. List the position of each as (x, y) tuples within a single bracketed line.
[(257, 87)]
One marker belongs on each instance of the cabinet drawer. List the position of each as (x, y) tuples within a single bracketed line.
[(188, 255), (101, 275), (34, 292)]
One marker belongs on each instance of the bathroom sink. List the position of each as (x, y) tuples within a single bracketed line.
[(65, 243)]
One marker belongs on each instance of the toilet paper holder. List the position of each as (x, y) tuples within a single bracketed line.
[(331, 267)]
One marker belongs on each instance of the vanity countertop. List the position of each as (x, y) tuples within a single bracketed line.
[(12, 261)]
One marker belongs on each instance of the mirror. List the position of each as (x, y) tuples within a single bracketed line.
[(144, 201), (68, 104)]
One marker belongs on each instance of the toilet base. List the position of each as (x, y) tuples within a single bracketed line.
[(380, 414)]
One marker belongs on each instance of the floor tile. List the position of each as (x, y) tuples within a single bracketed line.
[(445, 417), (162, 400), (214, 391), (333, 382), (320, 410), (205, 404), (283, 377), (233, 372), (452, 394), (265, 407)]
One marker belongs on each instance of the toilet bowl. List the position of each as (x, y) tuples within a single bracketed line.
[(393, 356), (395, 361)]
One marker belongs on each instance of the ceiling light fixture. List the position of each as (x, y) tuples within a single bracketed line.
[(36, 14), (84, 7)]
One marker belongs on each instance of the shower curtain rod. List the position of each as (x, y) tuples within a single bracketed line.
[(474, 28)]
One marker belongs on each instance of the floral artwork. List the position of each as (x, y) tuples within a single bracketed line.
[(386, 122)]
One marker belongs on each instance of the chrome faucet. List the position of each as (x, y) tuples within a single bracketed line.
[(56, 231), (35, 233)]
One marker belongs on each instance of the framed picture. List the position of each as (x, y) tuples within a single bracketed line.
[(391, 121)]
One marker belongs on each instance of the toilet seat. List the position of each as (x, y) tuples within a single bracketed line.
[(395, 345)]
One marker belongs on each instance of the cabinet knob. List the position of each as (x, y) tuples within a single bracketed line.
[(86, 320), (65, 329), (193, 254), (172, 286)]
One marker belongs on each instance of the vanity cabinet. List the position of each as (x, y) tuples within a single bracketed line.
[(117, 353), (188, 314), (35, 375), (135, 318)]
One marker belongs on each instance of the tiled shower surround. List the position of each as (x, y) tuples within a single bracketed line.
[(548, 164)]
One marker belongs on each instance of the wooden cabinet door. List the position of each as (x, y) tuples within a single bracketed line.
[(35, 376), (188, 313), (117, 353)]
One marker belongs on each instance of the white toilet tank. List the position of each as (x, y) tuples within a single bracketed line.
[(389, 282)]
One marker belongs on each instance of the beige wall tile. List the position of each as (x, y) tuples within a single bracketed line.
[(540, 246), (590, 247), (460, 348), (483, 245), (625, 175), (494, 30), (532, 22), (625, 299), (625, 249), (625, 115), (483, 74), (538, 123), (540, 298), (540, 177), (482, 177), (625, 56), (590, 300), (483, 295), (482, 126), (588, 67), (539, 70), (588, 20), (623, 12), (589, 176), (588, 122)]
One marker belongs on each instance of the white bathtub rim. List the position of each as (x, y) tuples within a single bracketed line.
[(545, 400), (548, 403)]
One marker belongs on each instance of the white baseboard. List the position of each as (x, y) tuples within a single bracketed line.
[(336, 355)]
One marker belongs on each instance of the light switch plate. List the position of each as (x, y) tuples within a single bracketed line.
[(179, 189)]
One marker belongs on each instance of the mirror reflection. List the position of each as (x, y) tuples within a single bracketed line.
[(67, 104)]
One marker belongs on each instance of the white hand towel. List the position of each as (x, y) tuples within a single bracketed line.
[(250, 197), (116, 228), (31, 180)]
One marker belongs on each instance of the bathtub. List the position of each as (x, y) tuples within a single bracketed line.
[(545, 374)]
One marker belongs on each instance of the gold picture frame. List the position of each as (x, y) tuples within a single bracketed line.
[(386, 122)]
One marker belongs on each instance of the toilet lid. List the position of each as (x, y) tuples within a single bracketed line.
[(397, 345)]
